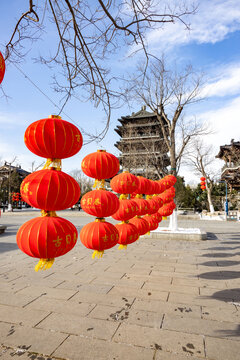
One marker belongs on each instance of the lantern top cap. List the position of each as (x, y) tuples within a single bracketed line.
[(101, 150), (54, 117), (125, 172), (99, 220)]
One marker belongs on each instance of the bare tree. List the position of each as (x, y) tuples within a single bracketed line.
[(87, 33), (167, 93), (201, 160), (84, 181)]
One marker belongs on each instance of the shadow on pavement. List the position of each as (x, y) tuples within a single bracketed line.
[(211, 236), (231, 242), (4, 247), (220, 263), (220, 275), (223, 248), (228, 294), (216, 255)]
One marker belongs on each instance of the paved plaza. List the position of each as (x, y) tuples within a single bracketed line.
[(157, 300)]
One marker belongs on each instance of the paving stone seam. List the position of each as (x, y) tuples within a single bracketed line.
[(59, 345), (32, 301), (29, 353), (35, 326), (72, 295)]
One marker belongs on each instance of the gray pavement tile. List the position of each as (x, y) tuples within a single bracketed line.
[(196, 300), (16, 315), (167, 308), (169, 341), (162, 355), (99, 349), (222, 349), (33, 339), (72, 324), (35, 290), (9, 298), (104, 299), (202, 327), (229, 314), (173, 288), (138, 293), (61, 306)]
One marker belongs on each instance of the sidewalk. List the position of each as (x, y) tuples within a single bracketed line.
[(159, 300)]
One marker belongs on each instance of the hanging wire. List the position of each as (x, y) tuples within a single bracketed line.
[(43, 93)]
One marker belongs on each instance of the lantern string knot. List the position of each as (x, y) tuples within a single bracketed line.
[(123, 197), (53, 163), (99, 184), (97, 254), (44, 264), (121, 247), (48, 213), (99, 220)]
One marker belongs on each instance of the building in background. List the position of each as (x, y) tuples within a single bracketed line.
[(142, 146), (231, 170)]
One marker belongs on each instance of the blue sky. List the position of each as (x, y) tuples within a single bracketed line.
[(212, 46)]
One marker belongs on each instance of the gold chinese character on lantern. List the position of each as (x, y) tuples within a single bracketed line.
[(57, 241)]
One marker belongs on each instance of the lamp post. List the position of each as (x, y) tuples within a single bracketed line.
[(226, 199)]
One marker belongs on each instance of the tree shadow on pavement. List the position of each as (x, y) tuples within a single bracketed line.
[(211, 236), (216, 255), (231, 242), (4, 247), (220, 263), (223, 248), (220, 275), (228, 294)]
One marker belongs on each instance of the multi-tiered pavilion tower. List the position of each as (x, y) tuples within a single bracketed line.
[(142, 146)]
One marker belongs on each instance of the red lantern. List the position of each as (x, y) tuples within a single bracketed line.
[(153, 205), (162, 185), (171, 178), (127, 210), (141, 224), (203, 183), (124, 183), (143, 206), (150, 190), (53, 138), (100, 165), (46, 238), (2, 67), (128, 233), (143, 185), (202, 178), (157, 216), (152, 222), (158, 199), (100, 203), (99, 235), (50, 190)]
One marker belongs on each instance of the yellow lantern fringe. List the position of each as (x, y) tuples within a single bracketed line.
[(123, 197), (44, 264), (121, 247), (99, 184), (99, 220), (53, 163), (97, 254), (139, 196), (48, 213), (164, 218)]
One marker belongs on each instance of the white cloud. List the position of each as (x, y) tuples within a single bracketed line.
[(225, 81), (212, 23)]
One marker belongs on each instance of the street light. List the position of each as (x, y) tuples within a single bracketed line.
[(226, 200)]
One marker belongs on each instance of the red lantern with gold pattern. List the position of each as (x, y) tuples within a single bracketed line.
[(152, 222), (99, 235), (128, 233), (124, 183), (46, 238), (53, 138), (143, 185), (141, 225), (127, 210), (143, 206), (2, 67), (100, 203), (157, 216), (100, 165), (153, 205), (50, 190)]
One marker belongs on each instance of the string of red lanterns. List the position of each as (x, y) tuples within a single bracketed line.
[(99, 235), (50, 189)]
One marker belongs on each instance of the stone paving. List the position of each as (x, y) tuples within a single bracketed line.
[(158, 300)]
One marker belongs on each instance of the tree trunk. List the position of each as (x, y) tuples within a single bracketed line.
[(210, 204)]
